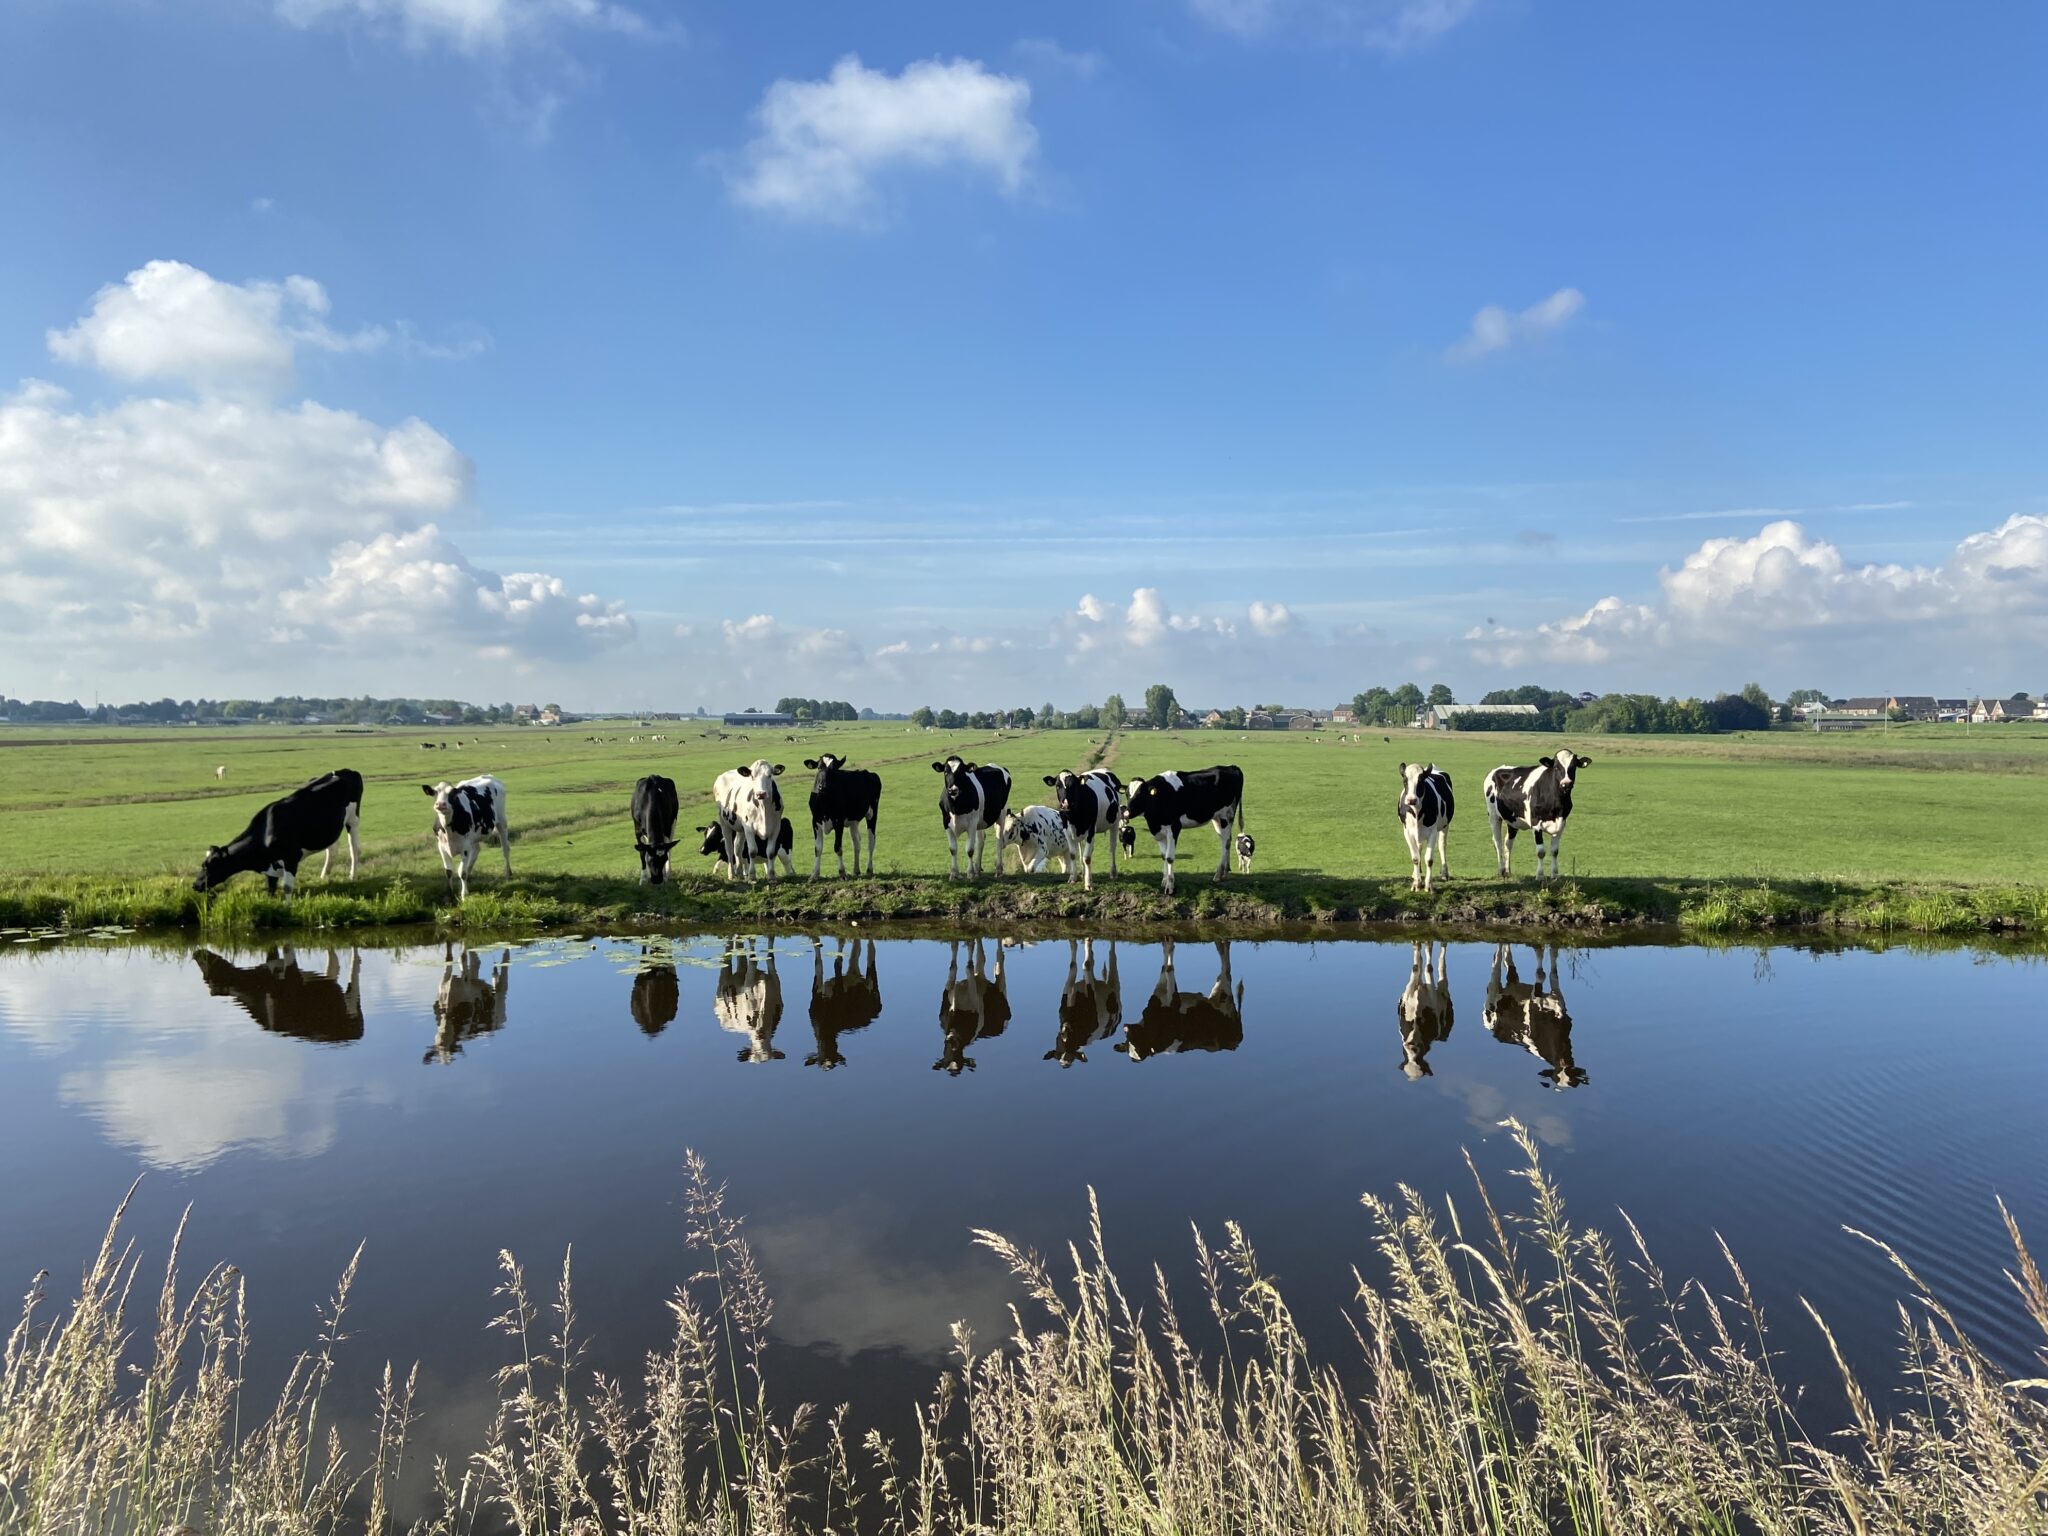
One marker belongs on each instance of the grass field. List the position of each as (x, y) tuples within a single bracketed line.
[(1752, 822)]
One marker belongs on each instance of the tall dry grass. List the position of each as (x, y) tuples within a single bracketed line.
[(1518, 1373)]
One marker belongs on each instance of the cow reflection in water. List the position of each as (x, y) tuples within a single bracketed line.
[(467, 1005), (1426, 1009), (656, 997), (1174, 1020), (973, 1007), (749, 998), (287, 1000), (848, 1000), (1526, 1014), (1091, 1006)]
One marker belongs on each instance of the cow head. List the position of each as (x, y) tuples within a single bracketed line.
[(1410, 803), (1062, 786), (714, 841), (1566, 766), (451, 812), (955, 769), (654, 859), (212, 869), (1010, 829), (826, 764), (1141, 801), (762, 794)]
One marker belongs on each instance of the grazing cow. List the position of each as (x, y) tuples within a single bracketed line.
[(749, 801), (1519, 1013), (464, 815), (1091, 806), (1425, 1009), (220, 771), (1537, 797), (467, 1005), (1245, 849), (286, 1000), (971, 801), (748, 1000), (311, 819), (654, 825), (1424, 808), (1172, 803), (714, 847), (842, 798), (1127, 838), (1174, 1020), (849, 1000), (1038, 835), (656, 997), (1091, 1006), (973, 1008)]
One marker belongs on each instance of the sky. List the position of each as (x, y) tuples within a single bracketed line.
[(666, 353)]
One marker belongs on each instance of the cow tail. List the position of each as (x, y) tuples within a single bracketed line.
[(1242, 824)]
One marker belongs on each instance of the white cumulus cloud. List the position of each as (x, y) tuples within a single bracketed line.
[(1495, 330)]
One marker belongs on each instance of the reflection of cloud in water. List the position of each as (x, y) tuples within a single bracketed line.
[(837, 1285), (1486, 1106)]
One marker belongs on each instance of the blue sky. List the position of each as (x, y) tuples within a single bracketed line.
[(649, 353)]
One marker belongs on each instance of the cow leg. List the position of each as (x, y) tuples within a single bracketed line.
[(1539, 851), (839, 846), (818, 851), (873, 817), (505, 845), (326, 854), (1412, 835), (953, 847), (1500, 847), (1167, 837), (1224, 830), (1556, 838), (1084, 856), (1443, 849)]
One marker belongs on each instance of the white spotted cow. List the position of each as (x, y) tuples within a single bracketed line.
[(749, 803), (465, 815), (1424, 807), (1091, 806), (971, 801), (1539, 798), (1172, 803), (1246, 847), (1038, 835)]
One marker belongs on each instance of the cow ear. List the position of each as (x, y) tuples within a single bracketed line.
[(746, 772), (1050, 779), (427, 789), (938, 767), (778, 768), (810, 762), (1580, 762), (1432, 768), (1402, 770), (1547, 762)]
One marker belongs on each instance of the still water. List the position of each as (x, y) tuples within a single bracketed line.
[(870, 1103)]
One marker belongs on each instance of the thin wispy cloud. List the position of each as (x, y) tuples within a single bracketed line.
[(1382, 26), (1494, 329)]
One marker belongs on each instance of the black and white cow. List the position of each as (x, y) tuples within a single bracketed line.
[(971, 802), (1038, 835), (654, 825), (842, 799), (286, 1000), (1424, 807), (1539, 798), (1091, 805), (467, 1005), (311, 819), (1172, 803), (1175, 1021), (465, 815), (1127, 838), (1091, 1006), (748, 999), (749, 800), (973, 1007), (841, 1003), (1533, 1017), (1246, 847), (714, 847), (1425, 1009)]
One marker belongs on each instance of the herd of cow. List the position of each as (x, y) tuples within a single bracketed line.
[(749, 832)]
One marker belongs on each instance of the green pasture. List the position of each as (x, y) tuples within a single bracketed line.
[(1926, 803)]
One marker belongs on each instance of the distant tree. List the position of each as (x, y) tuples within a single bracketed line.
[(1113, 711), (922, 717), (1048, 717), (1754, 692), (1159, 706), (1407, 700), (1234, 717), (950, 720), (1739, 712), (1087, 718), (1439, 693), (1800, 696)]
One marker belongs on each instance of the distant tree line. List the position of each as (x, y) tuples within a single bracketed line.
[(1398, 706), (817, 709), (1631, 714), (284, 709)]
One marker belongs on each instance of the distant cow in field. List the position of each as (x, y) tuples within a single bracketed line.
[(971, 802), (1091, 1006), (654, 825), (1127, 838), (749, 801), (1172, 803), (748, 999), (714, 847), (1246, 847), (467, 1005), (1038, 835), (1538, 797), (843, 800), (285, 1000), (656, 997), (221, 771), (1425, 1009), (1091, 806), (1536, 1019), (311, 819), (465, 815), (847, 1000), (973, 1007), (1424, 806), (1175, 1021)]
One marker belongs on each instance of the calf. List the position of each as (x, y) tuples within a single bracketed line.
[(1539, 798), (1174, 1020), (1038, 835), (1425, 1009), (1127, 838), (464, 815), (1172, 803), (1245, 849), (849, 1000), (714, 848), (1091, 805), (842, 798), (312, 818), (1424, 808), (749, 800), (1537, 1020), (971, 801), (748, 1000), (654, 825)]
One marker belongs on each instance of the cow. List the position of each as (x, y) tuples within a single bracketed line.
[(748, 1000), (970, 1009), (749, 800), (1424, 1009), (464, 815), (1423, 807), (1172, 803), (1091, 1006), (714, 847), (285, 1000), (1127, 838), (1038, 835), (1091, 806), (1519, 1013), (971, 801), (466, 1005), (220, 770), (848, 1000), (1174, 1020), (654, 825), (1539, 798), (656, 997), (1245, 849), (842, 798), (311, 819)]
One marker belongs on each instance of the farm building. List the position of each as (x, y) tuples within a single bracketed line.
[(760, 717), (1913, 706), (1440, 716), (1869, 709)]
